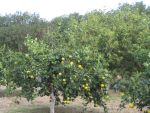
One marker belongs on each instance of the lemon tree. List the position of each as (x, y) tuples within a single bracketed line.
[(60, 74), (5, 67), (138, 89)]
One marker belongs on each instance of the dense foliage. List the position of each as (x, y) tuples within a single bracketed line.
[(15, 27), (76, 55), (70, 75)]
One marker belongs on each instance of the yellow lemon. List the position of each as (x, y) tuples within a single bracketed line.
[(86, 84), (62, 62), (148, 111), (64, 80), (103, 78), (27, 55), (28, 72), (102, 85), (122, 94), (70, 56), (86, 88), (131, 105), (83, 85), (80, 66), (66, 101), (71, 63), (59, 73), (32, 76), (84, 79), (107, 97), (62, 58)]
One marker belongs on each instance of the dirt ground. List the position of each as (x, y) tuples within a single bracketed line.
[(9, 103)]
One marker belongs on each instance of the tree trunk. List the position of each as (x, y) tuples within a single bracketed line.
[(52, 101)]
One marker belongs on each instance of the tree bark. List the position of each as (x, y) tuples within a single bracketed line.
[(52, 101)]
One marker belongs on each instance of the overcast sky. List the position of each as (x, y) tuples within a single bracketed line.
[(50, 9)]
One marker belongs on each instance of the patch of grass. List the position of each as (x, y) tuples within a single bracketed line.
[(30, 109), (45, 109)]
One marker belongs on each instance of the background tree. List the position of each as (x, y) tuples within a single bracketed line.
[(14, 27)]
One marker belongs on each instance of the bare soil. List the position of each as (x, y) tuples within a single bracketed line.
[(8, 104)]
